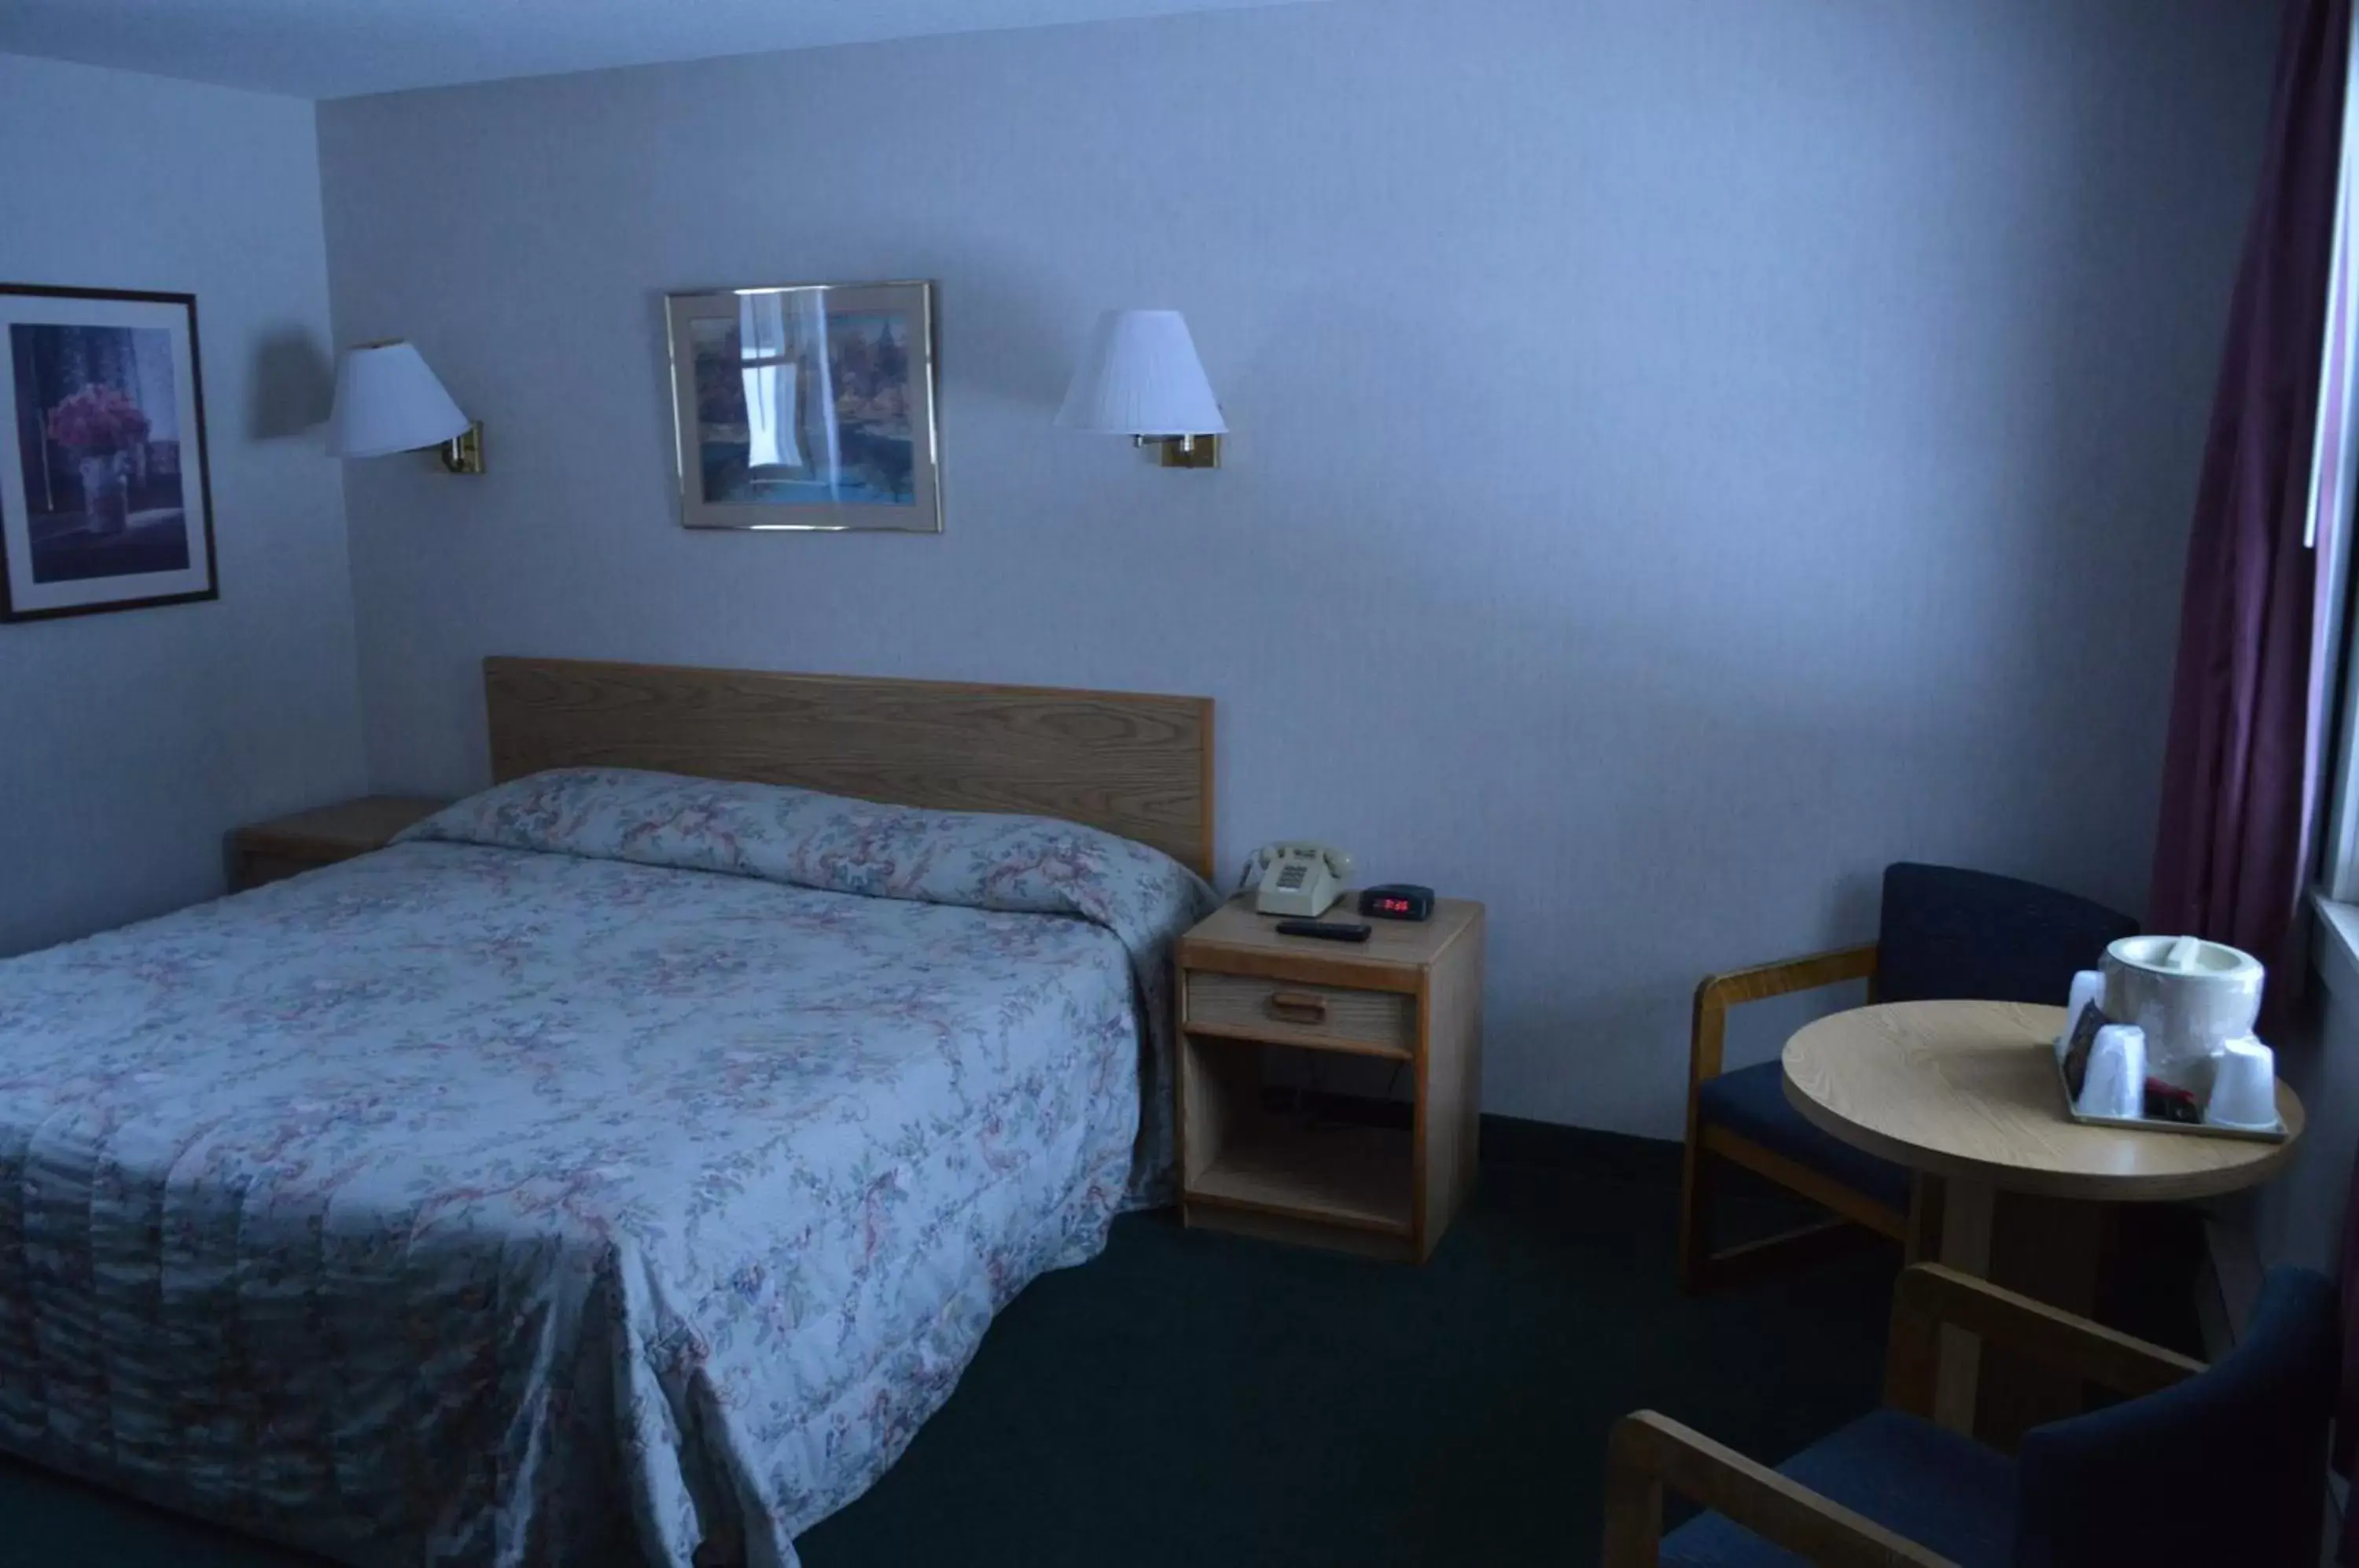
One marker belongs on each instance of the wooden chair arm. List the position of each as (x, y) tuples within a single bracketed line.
[(1650, 1452), (1718, 993), (1928, 1295)]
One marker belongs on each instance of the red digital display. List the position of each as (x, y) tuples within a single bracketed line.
[(1405, 901)]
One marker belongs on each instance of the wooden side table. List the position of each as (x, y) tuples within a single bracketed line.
[(289, 846), (2007, 1187), (1412, 995)]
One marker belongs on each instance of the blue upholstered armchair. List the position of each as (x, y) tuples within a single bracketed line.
[(2201, 1468), (1943, 934)]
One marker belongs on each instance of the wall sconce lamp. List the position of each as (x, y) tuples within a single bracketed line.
[(388, 400), (1141, 378)]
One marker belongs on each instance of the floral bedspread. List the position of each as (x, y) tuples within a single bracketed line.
[(620, 1164)]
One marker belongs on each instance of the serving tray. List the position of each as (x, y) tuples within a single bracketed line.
[(2147, 1124)]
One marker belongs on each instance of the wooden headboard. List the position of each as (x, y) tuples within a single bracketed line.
[(1137, 765)]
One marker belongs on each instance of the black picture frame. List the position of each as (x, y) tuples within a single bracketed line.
[(161, 555)]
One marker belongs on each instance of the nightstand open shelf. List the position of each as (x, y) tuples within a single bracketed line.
[(1247, 1157), (1412, 995)]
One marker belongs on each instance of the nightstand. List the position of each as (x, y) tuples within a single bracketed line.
[(1412, 995), (273, 850)]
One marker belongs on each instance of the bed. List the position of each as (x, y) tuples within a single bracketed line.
[(620, 1167)]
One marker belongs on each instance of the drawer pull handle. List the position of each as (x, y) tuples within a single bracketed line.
[(1299, 1007)]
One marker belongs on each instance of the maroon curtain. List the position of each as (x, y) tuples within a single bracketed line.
[(2233, 861), (2240, 780)]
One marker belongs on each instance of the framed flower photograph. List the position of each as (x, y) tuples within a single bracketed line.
[(105, 503), (809, 406)]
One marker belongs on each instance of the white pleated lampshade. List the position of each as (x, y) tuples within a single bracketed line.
[(1142, 378), (388, 400)]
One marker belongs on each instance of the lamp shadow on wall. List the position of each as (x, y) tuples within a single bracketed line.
[(292, 387), (1016, 339)]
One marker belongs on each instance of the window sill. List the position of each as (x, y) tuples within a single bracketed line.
[(2334, 949)]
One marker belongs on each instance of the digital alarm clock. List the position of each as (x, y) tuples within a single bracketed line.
[(1397, 901)]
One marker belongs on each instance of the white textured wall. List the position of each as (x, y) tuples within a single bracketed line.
[(1687, 455), (131, 743)]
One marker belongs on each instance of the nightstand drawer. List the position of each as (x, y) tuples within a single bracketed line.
[(1382, 1022)]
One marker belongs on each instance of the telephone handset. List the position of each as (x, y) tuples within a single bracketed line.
[(1302, 880)]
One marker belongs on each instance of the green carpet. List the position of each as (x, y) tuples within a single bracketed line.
[(1194, 1398)]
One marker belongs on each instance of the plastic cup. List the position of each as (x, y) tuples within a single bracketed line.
[(2243, 1087), (2115, 1084), (2088, 988)]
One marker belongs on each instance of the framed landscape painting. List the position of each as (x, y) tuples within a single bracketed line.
[(809, 406), (104, 499)]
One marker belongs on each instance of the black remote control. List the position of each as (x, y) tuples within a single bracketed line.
[(1325, 930)]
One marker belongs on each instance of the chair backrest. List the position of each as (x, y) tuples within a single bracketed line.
[(1951, 934), (2228, 1467)]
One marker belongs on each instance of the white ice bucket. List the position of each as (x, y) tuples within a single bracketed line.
[(2190, 997)]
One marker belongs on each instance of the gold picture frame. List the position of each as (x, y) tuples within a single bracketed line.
[(807, 408)]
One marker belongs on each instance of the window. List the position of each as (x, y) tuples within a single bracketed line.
[(2334, 466)]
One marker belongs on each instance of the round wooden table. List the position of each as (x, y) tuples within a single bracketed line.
[(1966, 1095)]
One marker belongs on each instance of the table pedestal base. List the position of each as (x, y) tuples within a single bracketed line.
[(2050, 1249)]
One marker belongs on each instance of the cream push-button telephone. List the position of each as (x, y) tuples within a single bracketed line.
[(1302, 880)]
